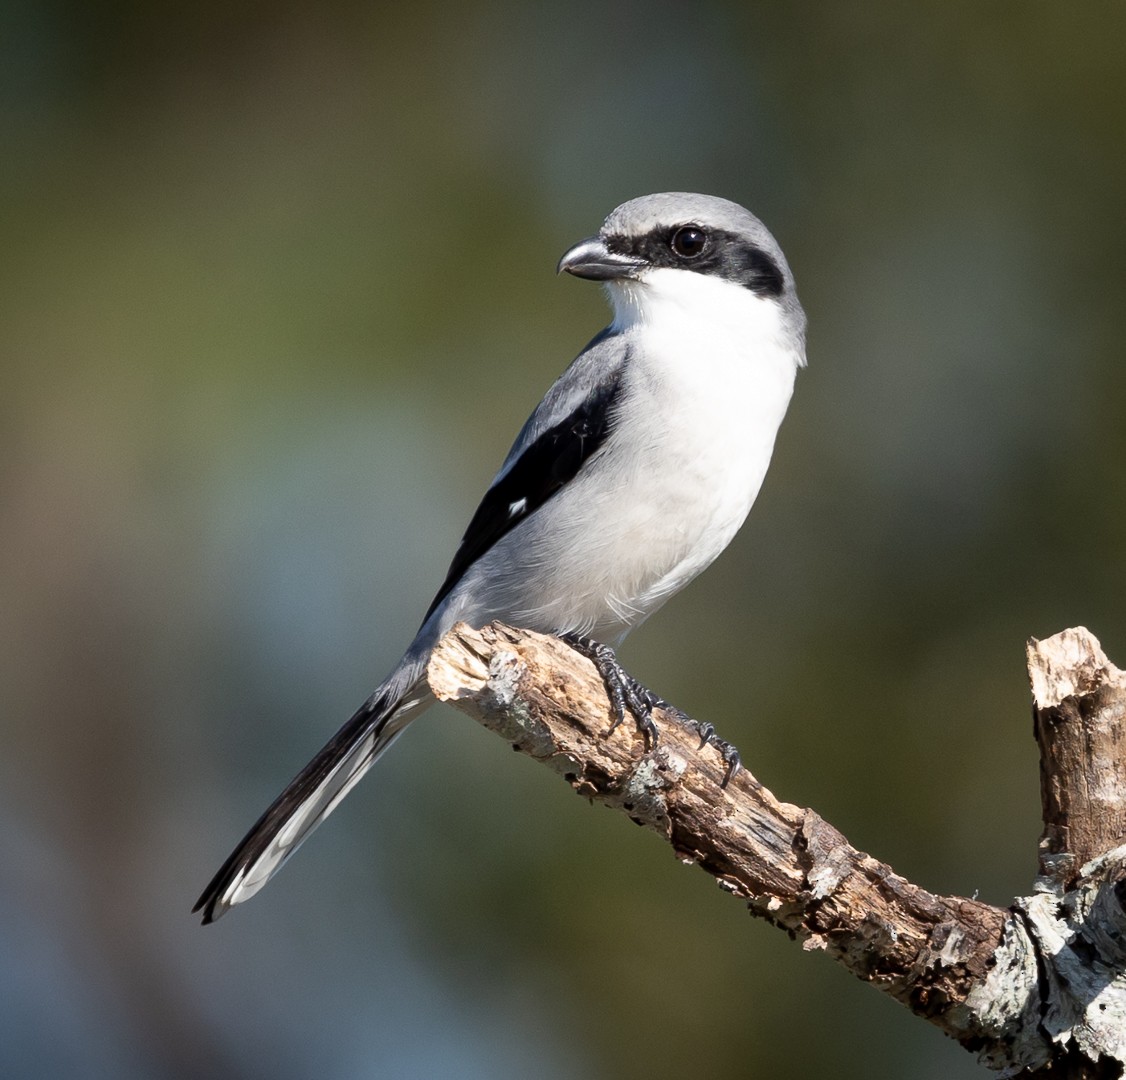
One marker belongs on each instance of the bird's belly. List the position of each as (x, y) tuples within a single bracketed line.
[(621, 549)]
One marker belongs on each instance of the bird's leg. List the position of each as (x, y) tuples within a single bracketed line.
[(626, 693)]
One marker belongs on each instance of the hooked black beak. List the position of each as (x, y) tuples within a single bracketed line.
[(591, 259)]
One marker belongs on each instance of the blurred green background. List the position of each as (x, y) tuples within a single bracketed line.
[(276, 292)]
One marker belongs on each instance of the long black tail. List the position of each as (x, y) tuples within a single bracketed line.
[(315, 792)]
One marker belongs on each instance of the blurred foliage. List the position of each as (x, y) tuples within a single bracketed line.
[(275, 294)]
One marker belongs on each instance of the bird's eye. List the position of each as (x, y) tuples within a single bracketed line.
[(688, 241)]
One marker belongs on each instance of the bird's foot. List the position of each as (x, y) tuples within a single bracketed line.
[(626, 693), (727, 750)]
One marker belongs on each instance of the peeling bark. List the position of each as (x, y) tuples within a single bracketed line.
[(1035, 989)]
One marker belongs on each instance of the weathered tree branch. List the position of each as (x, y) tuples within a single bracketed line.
[(1080, 717), (1038, 986)]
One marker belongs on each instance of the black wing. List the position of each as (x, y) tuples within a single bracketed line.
[(546, 465)]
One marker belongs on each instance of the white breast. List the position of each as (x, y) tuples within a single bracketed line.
[(710, 371), (717, 373)]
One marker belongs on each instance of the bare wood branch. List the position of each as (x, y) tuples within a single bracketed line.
[(792, 867), (1079, 700), (1038, 986)]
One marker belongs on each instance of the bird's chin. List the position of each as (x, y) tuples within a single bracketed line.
[(627, 298)]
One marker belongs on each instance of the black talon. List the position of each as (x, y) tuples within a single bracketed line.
[(731, 758), (726, 750), (626, 693)]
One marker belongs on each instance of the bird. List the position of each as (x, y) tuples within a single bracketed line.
[(632, 474)]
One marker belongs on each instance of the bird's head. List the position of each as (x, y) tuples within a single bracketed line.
[(694, 252)]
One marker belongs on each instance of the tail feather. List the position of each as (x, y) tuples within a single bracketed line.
[(311, 796)]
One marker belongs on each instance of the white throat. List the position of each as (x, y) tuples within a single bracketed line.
[(681, 303)]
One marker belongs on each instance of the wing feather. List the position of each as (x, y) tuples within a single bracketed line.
[(564, 432)]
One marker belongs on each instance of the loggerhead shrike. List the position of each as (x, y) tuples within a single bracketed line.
[(629, 478)]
